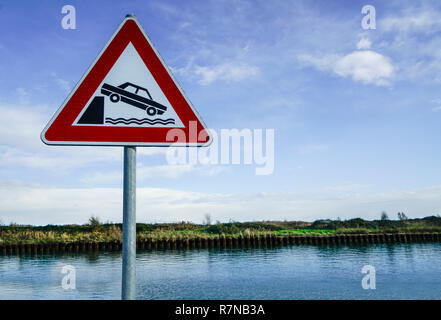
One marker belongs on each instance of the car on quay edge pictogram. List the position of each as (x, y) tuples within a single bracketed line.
[(120, 93)]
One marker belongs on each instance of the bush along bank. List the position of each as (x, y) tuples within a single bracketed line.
[(20, 239)]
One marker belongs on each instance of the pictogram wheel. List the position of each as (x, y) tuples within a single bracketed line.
[(151, 111), (114, 97)]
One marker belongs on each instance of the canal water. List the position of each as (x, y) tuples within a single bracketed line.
[(403, 271)]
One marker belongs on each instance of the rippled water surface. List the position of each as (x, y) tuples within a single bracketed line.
[(403, 271)]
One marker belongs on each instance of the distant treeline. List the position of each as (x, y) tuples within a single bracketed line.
[(432, 221)]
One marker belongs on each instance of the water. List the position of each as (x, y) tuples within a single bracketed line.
[(403, 271)]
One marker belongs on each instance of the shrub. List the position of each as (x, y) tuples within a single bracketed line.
[(384, 216), (94, 222)]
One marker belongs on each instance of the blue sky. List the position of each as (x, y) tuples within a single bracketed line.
[(356, 112)]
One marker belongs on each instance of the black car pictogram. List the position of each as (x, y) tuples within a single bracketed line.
[(120, 93)]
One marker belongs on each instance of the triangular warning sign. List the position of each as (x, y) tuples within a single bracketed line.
[(127, 97)]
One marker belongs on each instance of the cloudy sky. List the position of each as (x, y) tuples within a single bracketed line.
[(356, 112)]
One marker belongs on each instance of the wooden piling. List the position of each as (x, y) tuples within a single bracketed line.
[(229, 242), (221, 241), (415, 237), (364, 239), (254, 241), (246, 241)]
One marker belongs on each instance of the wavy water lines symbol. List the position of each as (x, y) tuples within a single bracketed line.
[(140, 121)]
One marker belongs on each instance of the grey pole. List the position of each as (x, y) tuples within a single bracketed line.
[(129, 224)]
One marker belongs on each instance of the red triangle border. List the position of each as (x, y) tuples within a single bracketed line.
[(60, 130)]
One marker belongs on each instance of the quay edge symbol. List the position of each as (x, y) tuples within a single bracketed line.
[(128, 97)]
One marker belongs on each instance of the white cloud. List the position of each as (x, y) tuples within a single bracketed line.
[(167, 171), (322, 63), (176, 171), (412, 20), (61, 83), (364, 44), (411, 37), (349, 187), (36, 204), (226, 71), (21, 125), (365, 66), (144, 173), (435, 101), (23, 95)]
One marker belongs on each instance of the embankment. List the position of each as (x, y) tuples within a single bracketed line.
[(218, 242)]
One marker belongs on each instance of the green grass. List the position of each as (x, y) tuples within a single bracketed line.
[(303, 231), (97, 232)]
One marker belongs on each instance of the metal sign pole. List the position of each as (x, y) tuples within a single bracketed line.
[(129, 224), (92, 91)]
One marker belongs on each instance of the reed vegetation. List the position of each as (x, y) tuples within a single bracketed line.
[(95, 231)]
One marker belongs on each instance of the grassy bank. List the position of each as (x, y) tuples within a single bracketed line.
[(97, 232)]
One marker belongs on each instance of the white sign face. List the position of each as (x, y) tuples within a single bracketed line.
[(129, 96)]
